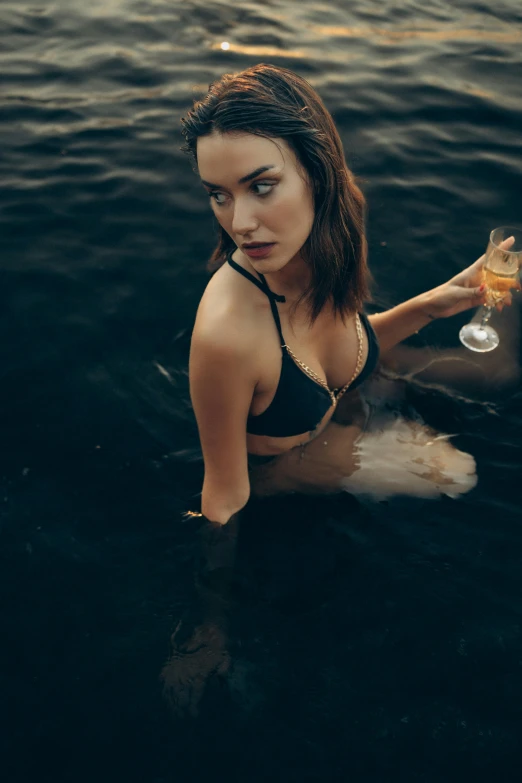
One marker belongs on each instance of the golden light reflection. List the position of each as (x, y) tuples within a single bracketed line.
[(340, 31), (472, 90), (261, 51)]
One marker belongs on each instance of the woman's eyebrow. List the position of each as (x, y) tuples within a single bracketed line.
[(246, 178)]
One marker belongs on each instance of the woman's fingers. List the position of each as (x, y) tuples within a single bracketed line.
[(473, 274), (508, 298), (507, 243)]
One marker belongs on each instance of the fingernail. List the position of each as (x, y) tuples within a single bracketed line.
[(482, 288)]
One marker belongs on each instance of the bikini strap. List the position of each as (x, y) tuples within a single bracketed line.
[(263, 286)]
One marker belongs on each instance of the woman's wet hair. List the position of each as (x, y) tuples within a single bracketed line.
[(276, 103)]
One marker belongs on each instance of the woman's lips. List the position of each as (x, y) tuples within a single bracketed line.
[(259, 252)]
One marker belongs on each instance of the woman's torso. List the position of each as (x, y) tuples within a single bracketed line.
[(299, 366)]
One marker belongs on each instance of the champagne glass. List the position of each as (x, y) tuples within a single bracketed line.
[(500, 274)]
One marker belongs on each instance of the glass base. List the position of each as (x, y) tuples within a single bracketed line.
[(479, 338)]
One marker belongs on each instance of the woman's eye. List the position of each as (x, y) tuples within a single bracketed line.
[(268, 185), (215, 195), (264, 189)]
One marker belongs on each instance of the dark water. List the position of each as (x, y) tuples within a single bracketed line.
[(374, 641)]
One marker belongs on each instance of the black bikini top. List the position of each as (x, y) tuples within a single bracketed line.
[(300, 402)]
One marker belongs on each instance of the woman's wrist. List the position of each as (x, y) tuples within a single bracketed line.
[(215, 567), (427, 309)]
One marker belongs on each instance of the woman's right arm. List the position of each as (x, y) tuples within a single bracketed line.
[(222, 383)]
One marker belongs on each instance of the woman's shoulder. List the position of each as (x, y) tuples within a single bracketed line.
[(229, 312)]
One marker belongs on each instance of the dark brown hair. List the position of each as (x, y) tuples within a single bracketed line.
[(274, 102)]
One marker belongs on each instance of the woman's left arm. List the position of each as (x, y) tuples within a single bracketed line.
[(463, 291)]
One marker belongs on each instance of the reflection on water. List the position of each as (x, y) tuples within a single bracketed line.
[(399, 454), (192, 663), (508, 35)]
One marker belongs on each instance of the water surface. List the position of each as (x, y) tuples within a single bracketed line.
[(373, 640)]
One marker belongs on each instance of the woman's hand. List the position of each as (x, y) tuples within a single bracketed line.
[(192, 663), (465, 290)]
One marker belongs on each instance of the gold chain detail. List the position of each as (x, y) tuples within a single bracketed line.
[(311, 373), (358, 366), (319, 380)]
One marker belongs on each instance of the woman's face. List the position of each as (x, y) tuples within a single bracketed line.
[(258, 193)]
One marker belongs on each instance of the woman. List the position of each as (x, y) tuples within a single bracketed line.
[(280, 338), (280, 335)]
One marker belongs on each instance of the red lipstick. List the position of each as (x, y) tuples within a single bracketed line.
[(257, 249)]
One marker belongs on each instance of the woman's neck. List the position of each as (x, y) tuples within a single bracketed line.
[(291, 281)]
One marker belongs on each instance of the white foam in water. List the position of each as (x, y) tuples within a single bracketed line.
[(401, 457)]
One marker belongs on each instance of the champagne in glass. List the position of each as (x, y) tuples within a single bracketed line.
[(498, 284), (501, 268)]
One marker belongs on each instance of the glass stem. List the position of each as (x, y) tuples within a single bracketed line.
[(486, 315)]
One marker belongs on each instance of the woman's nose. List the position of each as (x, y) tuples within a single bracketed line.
[(244, 220)]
